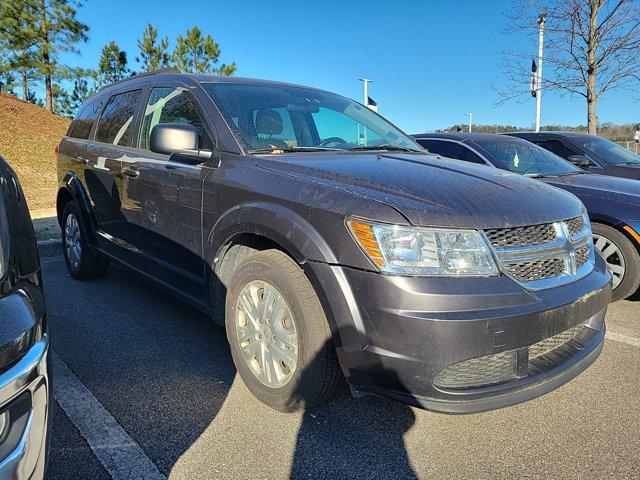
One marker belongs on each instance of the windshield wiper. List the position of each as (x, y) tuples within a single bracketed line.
[(295, 149), (392, 148)]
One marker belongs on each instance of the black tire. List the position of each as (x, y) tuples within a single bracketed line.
[(317, 373), (631, 278), (90, 265)]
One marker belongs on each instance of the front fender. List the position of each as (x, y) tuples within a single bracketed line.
[(281, 225)]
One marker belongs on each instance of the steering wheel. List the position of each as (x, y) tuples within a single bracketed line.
[(333, 140)]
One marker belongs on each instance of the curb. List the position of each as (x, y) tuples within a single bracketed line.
[(49, 248)]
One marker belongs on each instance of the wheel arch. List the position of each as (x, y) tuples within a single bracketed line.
[(619, 227), (71, 190), (254, 227)]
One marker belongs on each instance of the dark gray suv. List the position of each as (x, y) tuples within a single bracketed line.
[(329, 243)]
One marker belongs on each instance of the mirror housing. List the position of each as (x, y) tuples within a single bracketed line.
[(178, 139), (580, 161)]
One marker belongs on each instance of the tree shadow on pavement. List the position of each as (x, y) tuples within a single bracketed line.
[(354, 438)]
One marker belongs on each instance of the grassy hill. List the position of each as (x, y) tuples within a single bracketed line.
[(28, 137)]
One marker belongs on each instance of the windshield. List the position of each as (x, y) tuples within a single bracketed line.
[(528, 159), (608, 151), (275, 118)]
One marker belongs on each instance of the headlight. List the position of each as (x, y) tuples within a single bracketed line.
[(425, 251)]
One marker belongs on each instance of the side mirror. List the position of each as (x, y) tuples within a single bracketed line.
[(580, 161), (177, 139)]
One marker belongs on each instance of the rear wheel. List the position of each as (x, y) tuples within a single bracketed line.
[(82, 263), (622, 259), (280, 339)]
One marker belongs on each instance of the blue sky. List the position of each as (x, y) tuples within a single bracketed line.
[(431, 61)]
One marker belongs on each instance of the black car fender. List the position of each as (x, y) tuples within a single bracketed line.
[(71, 184)]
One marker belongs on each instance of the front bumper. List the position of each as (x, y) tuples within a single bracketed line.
[(394, 335), (25, 395)]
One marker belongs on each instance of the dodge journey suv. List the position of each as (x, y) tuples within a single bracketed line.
[(330, 244)]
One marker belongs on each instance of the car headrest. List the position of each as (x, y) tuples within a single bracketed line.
[(268, 122)]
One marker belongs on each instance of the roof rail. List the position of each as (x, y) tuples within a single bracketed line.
[(140, 75)]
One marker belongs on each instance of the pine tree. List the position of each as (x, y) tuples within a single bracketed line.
[(7, 79), (83, 88), (18, 37), (58, 30), (113, 64), (154, 55), (61, 101), (195, 53)]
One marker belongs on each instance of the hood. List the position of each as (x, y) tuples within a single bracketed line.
[(431, 192), (613, 198), (601, 186), (626, 171)]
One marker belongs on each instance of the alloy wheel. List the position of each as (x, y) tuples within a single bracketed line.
[(613, 256), (72, 243), (266, 333)]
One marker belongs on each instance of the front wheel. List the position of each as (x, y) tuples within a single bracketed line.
[(623, 260), (279, 336)]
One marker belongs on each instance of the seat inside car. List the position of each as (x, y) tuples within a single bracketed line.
[(267, 124)]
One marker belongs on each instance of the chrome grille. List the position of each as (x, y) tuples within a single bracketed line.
[(575, 226), (582, 255), (545, 255), (536, 270), (521, 236)]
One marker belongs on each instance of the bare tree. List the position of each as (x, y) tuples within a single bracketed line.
[(591, 47)]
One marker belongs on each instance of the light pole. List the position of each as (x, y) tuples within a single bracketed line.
[(541, 20), (470, 120), (366, 83)]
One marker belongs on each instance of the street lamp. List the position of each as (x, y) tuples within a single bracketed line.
[(470, 120), (366, 83), (541, 21)]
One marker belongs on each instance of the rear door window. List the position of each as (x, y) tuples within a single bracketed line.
[(83, 123), (115, 124)]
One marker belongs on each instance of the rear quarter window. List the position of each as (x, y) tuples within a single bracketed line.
[(83, 123)]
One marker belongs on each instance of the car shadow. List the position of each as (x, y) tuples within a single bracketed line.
[(354, 438)]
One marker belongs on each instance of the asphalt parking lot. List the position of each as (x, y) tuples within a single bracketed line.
[(145, 388)]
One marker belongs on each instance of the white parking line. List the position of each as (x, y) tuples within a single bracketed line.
[(622, 338), (118, 453)]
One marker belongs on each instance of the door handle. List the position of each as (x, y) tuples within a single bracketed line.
[(82, 160), (131, 172)]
